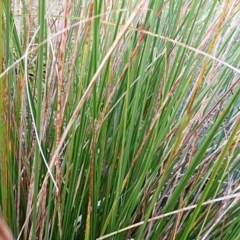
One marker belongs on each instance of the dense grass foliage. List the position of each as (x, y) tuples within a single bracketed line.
[(120, 119)]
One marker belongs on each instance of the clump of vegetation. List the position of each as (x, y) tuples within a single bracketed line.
[(120, 119)]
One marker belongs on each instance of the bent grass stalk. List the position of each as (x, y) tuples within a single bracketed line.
[(136, 108)]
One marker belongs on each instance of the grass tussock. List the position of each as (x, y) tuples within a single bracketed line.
[(120, 119)]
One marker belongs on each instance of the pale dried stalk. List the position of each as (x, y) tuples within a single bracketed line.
[(75, 51), (231, 196), (88, 91)]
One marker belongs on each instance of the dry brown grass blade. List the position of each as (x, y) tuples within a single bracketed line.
[(23, 94), (60, 62), (211, 48), (88, 91)]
